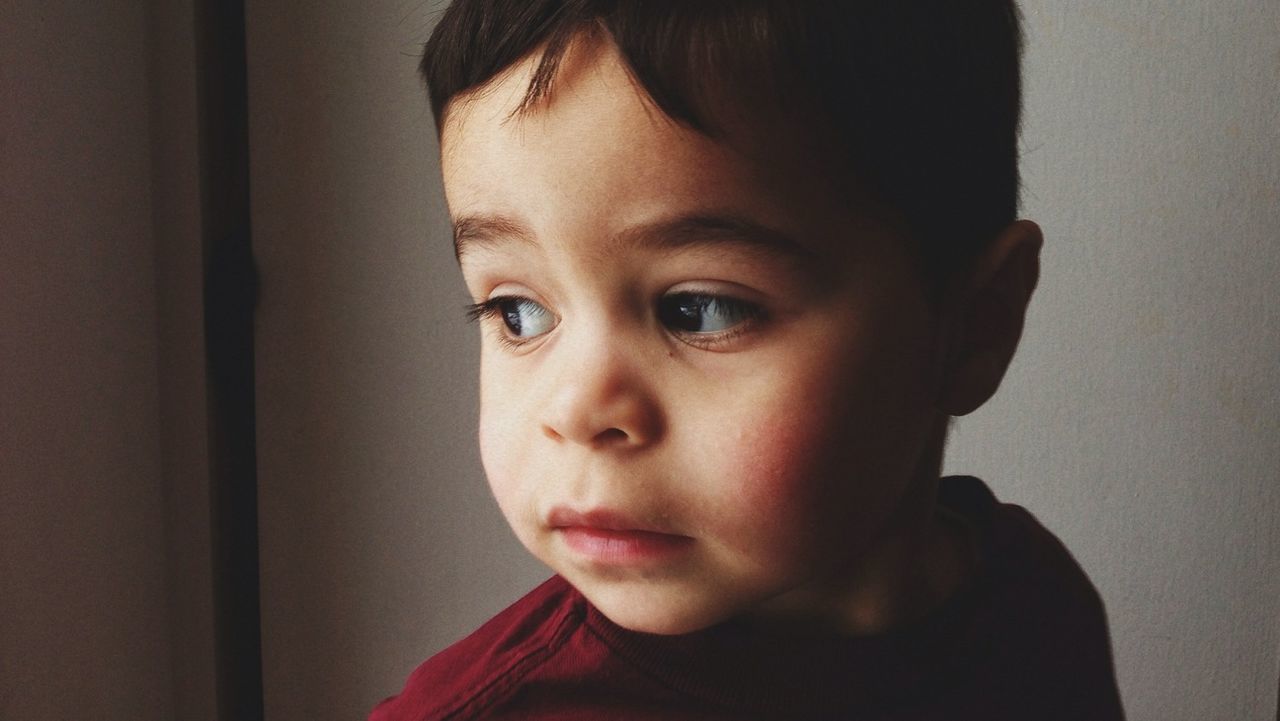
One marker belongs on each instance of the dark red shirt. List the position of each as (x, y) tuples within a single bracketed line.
[(1024, 638)]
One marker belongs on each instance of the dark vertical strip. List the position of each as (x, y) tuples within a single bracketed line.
[(229, 295)]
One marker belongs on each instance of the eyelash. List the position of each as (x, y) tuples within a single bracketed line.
[(487, 308), (491, 309), (752, 314)]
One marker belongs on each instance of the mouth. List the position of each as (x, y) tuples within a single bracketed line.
[(607, 537)]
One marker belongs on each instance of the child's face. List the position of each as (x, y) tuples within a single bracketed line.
[(705, 375)]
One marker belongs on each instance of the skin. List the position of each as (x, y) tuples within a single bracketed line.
[(795, 446)]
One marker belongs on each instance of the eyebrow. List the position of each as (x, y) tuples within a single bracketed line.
[(692, 230), (472, 231)]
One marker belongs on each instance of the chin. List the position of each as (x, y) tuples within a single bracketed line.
[(664, 614)]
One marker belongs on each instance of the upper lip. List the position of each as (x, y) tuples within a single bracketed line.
[(599, 518)]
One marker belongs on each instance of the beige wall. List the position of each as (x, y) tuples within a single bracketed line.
[(379, 539), (1141, 420)]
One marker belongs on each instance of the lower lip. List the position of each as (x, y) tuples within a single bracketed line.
[(623, 547)]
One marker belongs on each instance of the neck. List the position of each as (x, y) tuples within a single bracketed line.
[(915, 563)]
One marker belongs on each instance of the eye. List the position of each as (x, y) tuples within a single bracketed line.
[(703, 313), (524, 319)]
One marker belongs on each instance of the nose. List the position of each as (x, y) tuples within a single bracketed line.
[(603, 397)]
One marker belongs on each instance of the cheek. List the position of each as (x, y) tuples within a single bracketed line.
[(775, 480), (788, 437), (774, 461), (492, 455), (808, 464), (500, 444), (502, 458)]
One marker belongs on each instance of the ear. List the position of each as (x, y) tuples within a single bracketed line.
[(983, 323)]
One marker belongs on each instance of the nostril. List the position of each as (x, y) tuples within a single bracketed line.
[(600, 415), (611, 435)]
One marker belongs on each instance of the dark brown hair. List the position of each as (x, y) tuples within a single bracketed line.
[(924, 96)]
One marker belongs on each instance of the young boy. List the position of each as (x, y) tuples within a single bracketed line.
[(737, 262)]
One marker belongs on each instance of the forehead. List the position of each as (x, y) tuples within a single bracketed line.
[(596, 118), (597, 151), (592, 75)]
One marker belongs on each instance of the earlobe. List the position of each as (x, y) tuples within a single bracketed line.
[(985, 323)]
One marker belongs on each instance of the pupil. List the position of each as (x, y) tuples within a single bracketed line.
[(511, 315), (690, 314)]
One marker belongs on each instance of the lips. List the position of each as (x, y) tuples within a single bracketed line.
[(608, 537)]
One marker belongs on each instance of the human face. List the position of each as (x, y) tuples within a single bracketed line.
[(704, 373)]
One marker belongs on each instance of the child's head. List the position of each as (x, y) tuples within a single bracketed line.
[(737, 262), (915, 101)]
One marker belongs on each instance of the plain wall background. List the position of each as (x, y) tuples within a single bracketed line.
[(1140, 420)]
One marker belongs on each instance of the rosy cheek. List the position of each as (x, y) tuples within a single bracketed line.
[(775, 467)]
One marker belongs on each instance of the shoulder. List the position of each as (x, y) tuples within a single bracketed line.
[(478, 669), (1016, 550), (1039, 628)]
